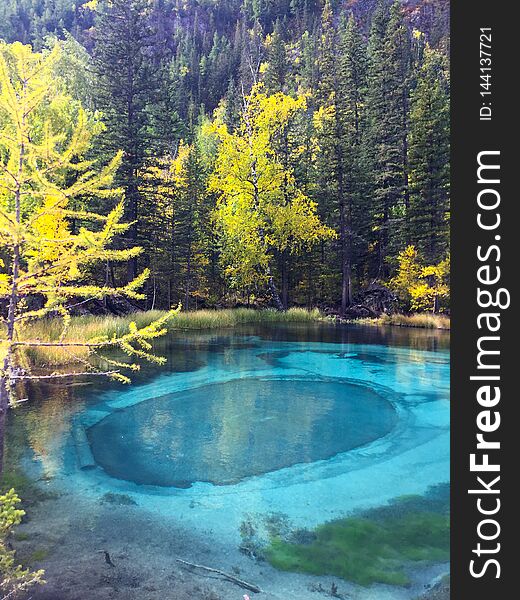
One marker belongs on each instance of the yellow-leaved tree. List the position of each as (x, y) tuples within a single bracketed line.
[(261, 209), (49, 240), (421, 287)]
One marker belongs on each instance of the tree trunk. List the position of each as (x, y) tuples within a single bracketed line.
[(285, 280), (4, 405), (346, 288), (274, 292), (7, 367), (346, 292)]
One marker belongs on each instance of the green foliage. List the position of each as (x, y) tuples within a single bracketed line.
[(14, 578), (368, 148), (387, 105), (178, 219), (365, 550), (429, 154)]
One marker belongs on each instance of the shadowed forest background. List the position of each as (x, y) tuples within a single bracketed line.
[(283, 152)]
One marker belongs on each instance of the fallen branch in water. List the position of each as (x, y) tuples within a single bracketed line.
[(244, 584)]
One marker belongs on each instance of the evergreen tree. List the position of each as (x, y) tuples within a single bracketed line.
[(386, 135), (361, 149), (352, 69), (429, 155), (338, 120), (124, 92), (276, 73)]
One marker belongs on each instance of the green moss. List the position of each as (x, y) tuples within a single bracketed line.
[(38, 555), (16, 480), (117, 499), (366, 550), (29, 492), (21, 537)]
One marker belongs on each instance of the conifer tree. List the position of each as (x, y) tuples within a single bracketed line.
[(48, 244), (429, 153), (337, 95), (352, 66), (125, 87), (177, 221), (386, 135), (276, 73)]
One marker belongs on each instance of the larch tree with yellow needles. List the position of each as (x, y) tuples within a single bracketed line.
[(49, 240)]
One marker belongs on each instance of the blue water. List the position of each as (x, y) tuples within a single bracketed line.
[(224, 432), (290, 424)]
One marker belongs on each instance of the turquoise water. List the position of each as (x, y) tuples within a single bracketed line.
[(297, 425), (179, 439)]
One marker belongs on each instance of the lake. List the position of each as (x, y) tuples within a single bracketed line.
[(250, 450)]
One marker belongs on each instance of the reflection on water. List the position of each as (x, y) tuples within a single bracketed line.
[(44, 425), (44, 422), (225, 432), (228, 405)]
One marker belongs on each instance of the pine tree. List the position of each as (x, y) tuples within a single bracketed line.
[(387, 126), (276, 73), (352, 67), (338, 122), (429, 154), (175, 224), (125, 88)]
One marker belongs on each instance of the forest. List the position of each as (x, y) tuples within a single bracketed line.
[(270, 153)]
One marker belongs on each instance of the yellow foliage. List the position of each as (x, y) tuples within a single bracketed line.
[(261, 210), (421, 287), (45, 137)]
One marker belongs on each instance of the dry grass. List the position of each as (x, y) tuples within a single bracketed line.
[(85, 328), (424, 320)]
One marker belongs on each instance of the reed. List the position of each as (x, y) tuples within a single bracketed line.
[(88, 327), (424, 320)]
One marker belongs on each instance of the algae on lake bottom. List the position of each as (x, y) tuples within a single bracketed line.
[(367, 550)]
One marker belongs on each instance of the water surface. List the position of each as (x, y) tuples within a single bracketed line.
[(244, 434), (222, 433)]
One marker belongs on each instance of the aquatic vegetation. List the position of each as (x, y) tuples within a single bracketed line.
[(374, 547), (17, 480), (117, 499), (38, 555), (257, 529), (28, 490)]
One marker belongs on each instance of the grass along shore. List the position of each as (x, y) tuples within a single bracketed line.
[(423, 320), (88, 327)]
